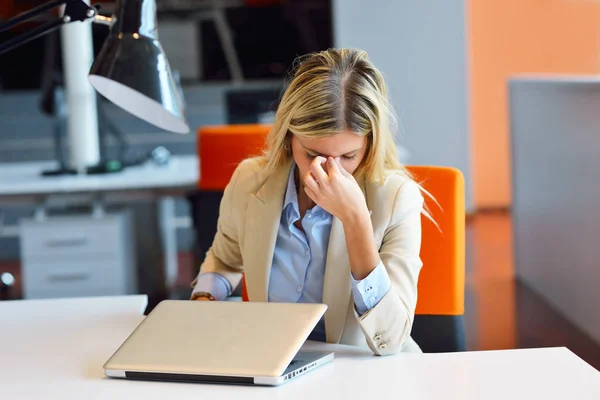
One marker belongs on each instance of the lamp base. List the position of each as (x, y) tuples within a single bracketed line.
[(159, 156), (59, 172), (107, 167)]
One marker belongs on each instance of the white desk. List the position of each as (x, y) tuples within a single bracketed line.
[(18, 180), (22, 184), (55, 350)]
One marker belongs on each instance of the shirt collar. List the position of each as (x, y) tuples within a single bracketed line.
[(290, 202)]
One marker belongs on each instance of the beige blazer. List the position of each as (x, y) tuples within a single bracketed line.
[(249, 218)]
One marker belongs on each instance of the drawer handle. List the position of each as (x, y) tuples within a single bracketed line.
[(82, 276), (75, 242)]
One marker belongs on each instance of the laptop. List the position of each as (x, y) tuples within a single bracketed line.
[(220, 342)]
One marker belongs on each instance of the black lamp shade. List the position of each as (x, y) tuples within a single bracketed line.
[(132, 69)]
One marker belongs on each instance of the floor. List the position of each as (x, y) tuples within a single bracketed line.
[(500, 313)]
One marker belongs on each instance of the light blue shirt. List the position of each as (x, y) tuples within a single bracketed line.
[(298, 269)]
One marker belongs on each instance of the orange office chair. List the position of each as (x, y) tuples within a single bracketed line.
[(438, 324)]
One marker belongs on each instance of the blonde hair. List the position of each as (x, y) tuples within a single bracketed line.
[(330, 92)]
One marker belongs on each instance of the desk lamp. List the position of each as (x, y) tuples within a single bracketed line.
[(131, 69)]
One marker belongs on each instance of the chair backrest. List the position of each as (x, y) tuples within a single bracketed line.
[(221, 148), (442, 279)]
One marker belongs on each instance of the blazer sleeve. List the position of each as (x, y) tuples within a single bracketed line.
[(224, 256), (387, 326)]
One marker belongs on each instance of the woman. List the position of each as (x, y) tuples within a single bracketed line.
[(328, 214)]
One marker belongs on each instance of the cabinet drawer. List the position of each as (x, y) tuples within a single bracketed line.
[(71, 237), (74, 279)]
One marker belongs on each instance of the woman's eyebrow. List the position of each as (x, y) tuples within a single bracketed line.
[(319, 154)]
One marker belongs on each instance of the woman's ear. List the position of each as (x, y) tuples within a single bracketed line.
[(287, 144)]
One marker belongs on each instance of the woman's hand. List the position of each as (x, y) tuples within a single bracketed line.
[(334, 189), (337, 192)]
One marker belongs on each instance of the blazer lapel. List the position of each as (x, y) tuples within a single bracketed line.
[(337, 293), (262, 224), (336, 288)]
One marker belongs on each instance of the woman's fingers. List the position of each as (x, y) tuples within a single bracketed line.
[(316, 168), (333, 166), (341, 168)]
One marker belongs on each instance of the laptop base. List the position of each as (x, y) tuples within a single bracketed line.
[(303, 362)]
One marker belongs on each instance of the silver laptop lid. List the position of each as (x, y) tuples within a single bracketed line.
[(218, 338)]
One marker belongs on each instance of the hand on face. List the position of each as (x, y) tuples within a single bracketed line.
[(335, 190)]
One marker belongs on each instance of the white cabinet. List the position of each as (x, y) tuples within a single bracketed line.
[(78, 256)]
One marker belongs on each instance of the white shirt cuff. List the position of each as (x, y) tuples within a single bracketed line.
[(369, 291), (213, 283)]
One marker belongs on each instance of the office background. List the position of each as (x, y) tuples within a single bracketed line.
[(448, 65)]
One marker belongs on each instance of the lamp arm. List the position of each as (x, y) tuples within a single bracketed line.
[(75, 10), (30, 35), (34, 12)]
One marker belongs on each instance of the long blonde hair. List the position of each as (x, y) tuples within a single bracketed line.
[(332, 91)]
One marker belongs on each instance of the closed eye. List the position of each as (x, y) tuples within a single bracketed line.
[(345, 157)]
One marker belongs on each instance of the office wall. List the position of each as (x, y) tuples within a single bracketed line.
[(421, 48), (555, 146), (509, 37)]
